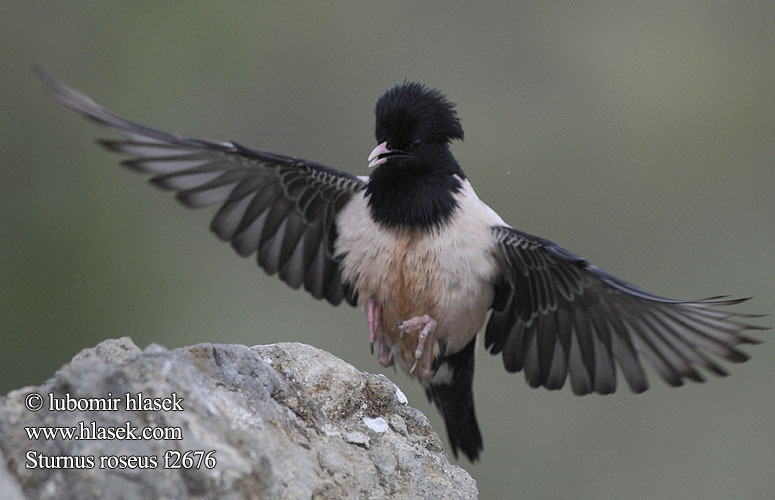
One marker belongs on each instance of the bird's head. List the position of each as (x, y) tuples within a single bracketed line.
[(414, 124)]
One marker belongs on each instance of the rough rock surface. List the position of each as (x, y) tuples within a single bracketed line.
[(286, 421)]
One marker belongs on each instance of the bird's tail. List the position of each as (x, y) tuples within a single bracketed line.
[(451, 389)]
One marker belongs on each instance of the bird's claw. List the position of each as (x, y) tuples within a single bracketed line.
[(425, 340), (385, 355)]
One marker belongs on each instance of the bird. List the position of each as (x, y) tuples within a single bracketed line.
[(414, 246)]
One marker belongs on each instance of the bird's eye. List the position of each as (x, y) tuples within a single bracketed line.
[(415, 145)]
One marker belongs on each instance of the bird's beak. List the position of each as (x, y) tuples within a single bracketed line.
[(375, 157)]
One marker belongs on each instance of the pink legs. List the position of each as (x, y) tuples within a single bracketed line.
[(425, 340), (372, 316), (376, 333)]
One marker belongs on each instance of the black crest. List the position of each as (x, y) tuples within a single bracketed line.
[(415, 188), (412, 109)]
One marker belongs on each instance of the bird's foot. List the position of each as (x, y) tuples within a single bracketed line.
[(376, 334), (425, 341), (375, 328), (385, 354)]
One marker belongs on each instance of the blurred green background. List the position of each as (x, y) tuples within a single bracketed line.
[(640, 135)]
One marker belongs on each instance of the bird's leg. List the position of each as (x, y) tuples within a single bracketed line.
[(376, 334), (425, 341)]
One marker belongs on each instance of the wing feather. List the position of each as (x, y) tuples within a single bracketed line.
[(557, 317), (281, 207)]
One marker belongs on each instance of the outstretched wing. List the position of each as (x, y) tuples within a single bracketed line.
[(280, 207), (556, 315)]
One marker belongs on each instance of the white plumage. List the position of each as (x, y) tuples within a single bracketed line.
[(447, 272)]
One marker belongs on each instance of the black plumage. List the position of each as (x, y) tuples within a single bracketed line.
[(557, 316), (455, 401), (418, 189), (280, 207)]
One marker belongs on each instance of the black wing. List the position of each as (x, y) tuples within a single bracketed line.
[(555, 315), (282, 207)]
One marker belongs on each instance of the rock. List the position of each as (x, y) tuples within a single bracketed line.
[(282, 421)]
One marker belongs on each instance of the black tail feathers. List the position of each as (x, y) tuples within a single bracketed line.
[(451, 391)]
